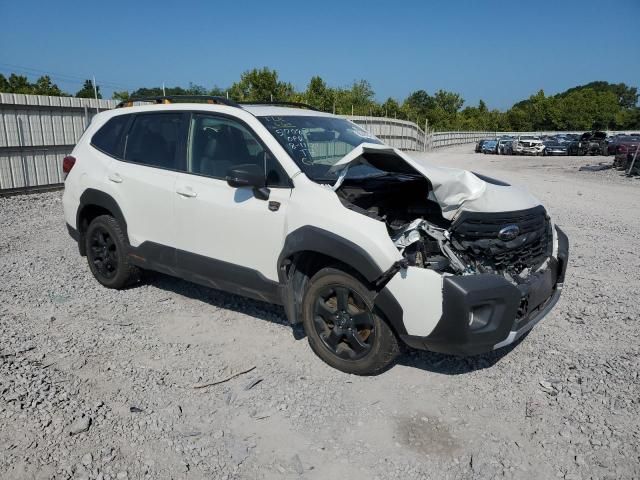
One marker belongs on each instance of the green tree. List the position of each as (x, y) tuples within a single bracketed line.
[(587, 109), (19, 84), (418, 104), (449, 102), (261, 85), (319, 95), (87, 90), (627, 97), (196, 89), (122, 96), (44, 86), (358, 98), (391, 109), (217, 91), (4, 84)]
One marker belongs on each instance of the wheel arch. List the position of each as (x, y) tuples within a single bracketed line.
[(94, 203), (309, 249)]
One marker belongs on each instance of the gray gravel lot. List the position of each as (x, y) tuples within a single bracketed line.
[(100, 384)]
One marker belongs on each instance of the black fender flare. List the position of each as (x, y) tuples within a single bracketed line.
[(313, 239), (92, 197)]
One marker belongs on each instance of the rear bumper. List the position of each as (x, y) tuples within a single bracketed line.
[(485, 312)]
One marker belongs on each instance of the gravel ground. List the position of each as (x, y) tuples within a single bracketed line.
[(102, 384)]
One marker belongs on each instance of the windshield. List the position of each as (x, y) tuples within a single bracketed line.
[(317, 143)]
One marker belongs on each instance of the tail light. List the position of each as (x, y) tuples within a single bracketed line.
[(67, 164)]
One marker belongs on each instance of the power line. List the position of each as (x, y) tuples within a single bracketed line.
[(60, 77)]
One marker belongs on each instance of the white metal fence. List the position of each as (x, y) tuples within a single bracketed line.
[(36, 132)]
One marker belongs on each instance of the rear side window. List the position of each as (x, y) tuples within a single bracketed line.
[(155, 140), (107, 138)]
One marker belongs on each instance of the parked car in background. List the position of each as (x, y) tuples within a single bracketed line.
[(613, 141), (481, 143), (528, 145), (625, 149), (507, 148), (490, 146), (502, 142), (554, 146), (589, 143)]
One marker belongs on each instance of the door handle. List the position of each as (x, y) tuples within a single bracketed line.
[(186, 192), (115, 178)]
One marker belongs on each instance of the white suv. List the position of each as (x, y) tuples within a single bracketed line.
[(368, 248), (528, 145)]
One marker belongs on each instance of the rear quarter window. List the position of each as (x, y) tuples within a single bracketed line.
[(155, 139), (108, 137)]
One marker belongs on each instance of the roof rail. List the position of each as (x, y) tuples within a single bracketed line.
[(168, 99), (284, 104)]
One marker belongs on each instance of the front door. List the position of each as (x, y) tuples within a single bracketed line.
[(228, 237)]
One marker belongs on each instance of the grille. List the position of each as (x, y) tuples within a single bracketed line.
[(477, 234)]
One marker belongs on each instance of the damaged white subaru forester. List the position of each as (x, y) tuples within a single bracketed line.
[(368, 248)]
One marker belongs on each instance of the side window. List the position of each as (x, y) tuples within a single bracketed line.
[(108, 137), (276, 176), (154, 139), (218, 144)]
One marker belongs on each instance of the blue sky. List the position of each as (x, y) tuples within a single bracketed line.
[(500, 51)]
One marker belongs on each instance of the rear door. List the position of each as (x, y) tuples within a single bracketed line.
[(228, 237), (143, 180)]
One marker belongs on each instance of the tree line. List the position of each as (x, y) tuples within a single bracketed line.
[(596, 105)]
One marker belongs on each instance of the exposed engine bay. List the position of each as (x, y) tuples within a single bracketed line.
[(513, 244)]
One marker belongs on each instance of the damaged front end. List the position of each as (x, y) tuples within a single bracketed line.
[(498, 272)]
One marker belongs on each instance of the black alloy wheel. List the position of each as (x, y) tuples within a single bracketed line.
[(103, 252), (343, 326), (344, 322), (106, 246)]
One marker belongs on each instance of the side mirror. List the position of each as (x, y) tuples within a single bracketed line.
[(249, 175)]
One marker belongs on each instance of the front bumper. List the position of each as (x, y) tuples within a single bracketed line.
[(485, 312), (556, 152), (528, 151)]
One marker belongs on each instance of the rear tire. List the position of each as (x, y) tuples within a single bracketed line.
[(106, 248), (342, 326)]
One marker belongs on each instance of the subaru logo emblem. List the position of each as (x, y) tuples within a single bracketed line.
[(508, 232)]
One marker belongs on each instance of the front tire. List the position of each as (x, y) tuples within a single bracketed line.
[(106, 249), (342, 327)]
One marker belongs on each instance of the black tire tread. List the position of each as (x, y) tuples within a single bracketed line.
[(127, 273), (386, 347)]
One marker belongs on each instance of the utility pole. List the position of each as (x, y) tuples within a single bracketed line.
[(95, 94), (426, 129), (164, 93)]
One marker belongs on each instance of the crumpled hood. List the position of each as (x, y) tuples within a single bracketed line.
[(454, 189)]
